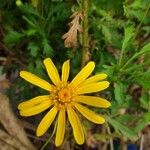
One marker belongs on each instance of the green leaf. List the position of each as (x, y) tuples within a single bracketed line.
[(29, 22), (128, 35), (28, 9), (13, 37), (143, 122), (33, 47), (143, 79), (31, 32), (119, 92), (147, 117), (145, 49), (106, 32), (136, 4), (30, 67), (103, 13), (110, 70), (48, 51), (39, 67), (122, 129), (125, 118), (144, 101)]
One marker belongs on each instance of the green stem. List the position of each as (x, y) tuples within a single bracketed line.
[(49, 139), (136, 32), (121, 57), (85, 45), (46, 143), (128, 62), (124, 70), (131, 59), (140, 24)]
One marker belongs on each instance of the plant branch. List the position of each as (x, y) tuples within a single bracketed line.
[(85, 40)]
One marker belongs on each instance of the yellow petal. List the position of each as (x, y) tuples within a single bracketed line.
[(52, 71), (36, 109), (93, 101), (34, 101), (65, 70), (90, 115), (93, 87), (46, 121), (60, 128), (76, 125), (83, 74), (35, 80), (95, 78)]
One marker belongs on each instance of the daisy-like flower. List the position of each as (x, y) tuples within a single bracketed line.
[(65, 98)]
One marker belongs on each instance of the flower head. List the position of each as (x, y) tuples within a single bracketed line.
[(65, 99)]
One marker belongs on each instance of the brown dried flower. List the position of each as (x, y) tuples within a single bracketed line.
[(75, 27)]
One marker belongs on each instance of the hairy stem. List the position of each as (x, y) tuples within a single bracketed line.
[(85, 44)]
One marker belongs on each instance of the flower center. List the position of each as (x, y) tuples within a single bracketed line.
[(64, 95)]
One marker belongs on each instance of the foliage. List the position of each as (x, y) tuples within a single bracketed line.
[(118, 42)]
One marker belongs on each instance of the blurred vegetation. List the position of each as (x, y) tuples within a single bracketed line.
[(119, 35)]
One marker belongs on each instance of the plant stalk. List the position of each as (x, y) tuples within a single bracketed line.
[(49, 139), (137, 30), (142, 142), (85, 40), (135, 35), (111, 139), (139, 26)]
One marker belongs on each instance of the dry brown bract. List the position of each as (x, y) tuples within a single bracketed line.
[(75, 27)]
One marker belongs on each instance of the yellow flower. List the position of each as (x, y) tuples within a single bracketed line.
[(65, 98)]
